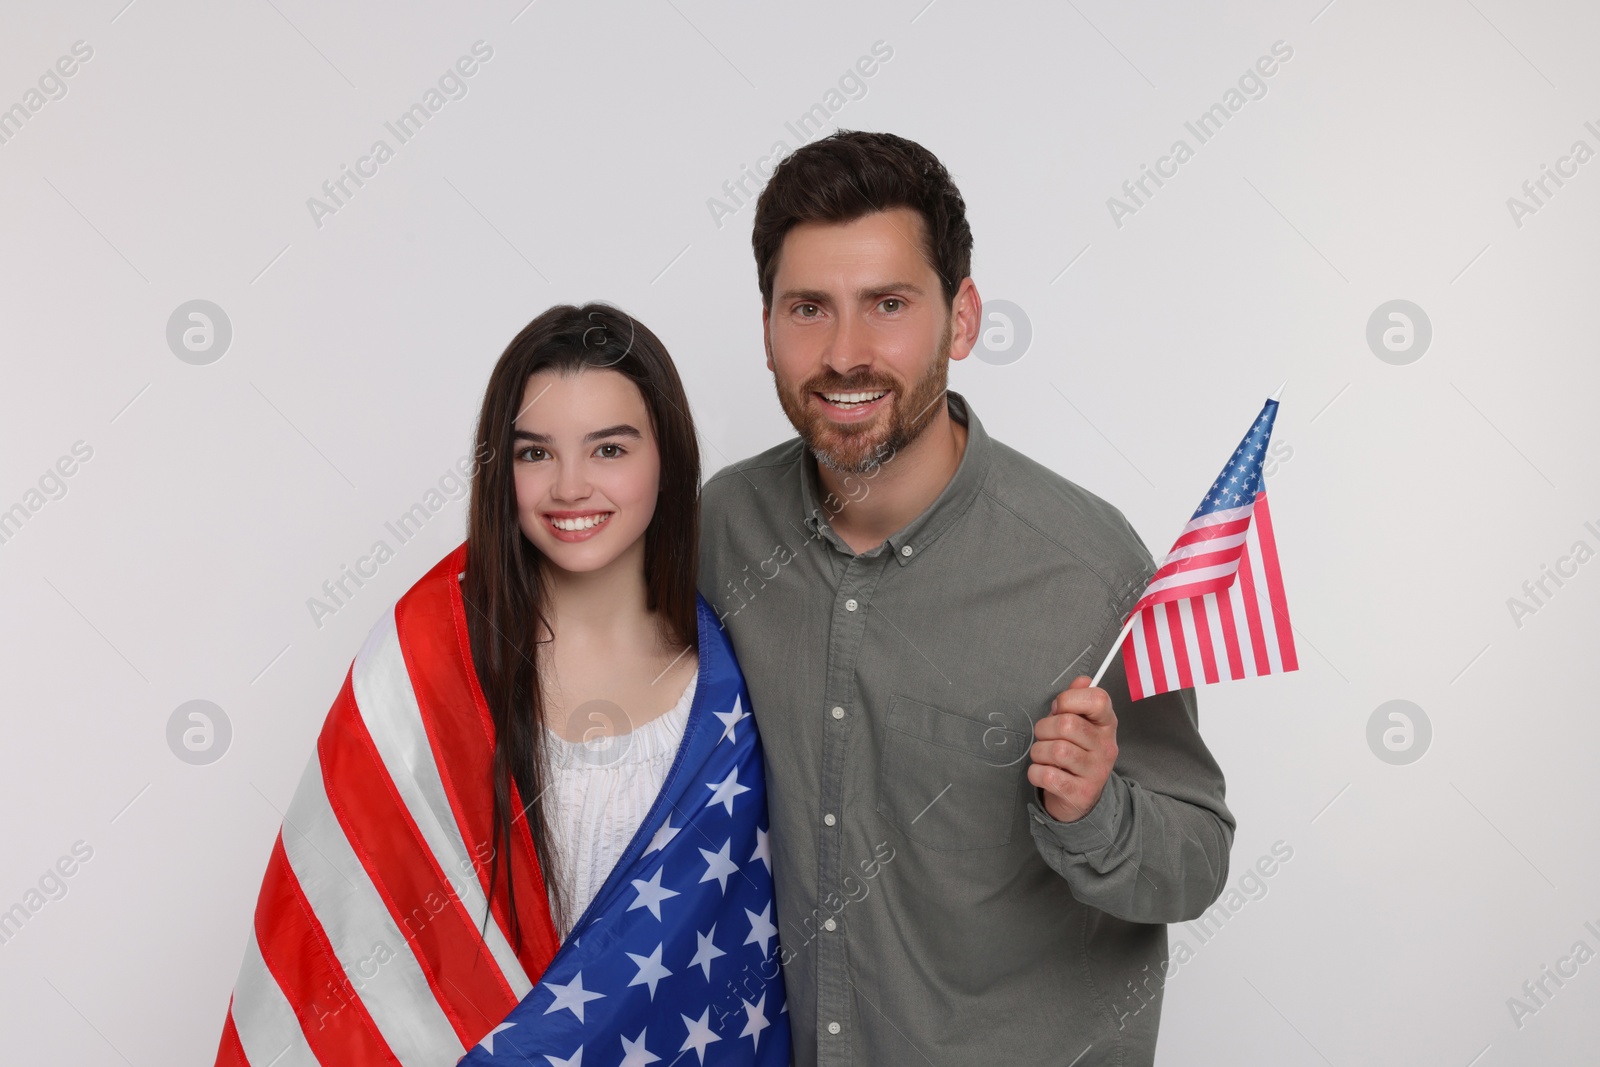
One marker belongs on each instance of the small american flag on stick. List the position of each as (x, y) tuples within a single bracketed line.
[(1215, 609)]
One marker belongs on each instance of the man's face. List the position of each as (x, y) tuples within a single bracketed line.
[(859, 337)]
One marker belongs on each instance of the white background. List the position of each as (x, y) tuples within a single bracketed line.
[(1417, 500)]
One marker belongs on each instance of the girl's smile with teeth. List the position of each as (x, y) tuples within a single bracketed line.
[(576, 527)]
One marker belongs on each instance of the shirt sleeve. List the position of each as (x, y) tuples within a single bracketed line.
[(1154, 848)]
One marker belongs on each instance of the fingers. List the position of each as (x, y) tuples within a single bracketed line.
[(1076, 795), (1065, 755), (1074, 748), (1068, 727), (1083, 699), (1075, 741)]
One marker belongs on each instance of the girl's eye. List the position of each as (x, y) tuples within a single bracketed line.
[(609, 455), (527, 453)]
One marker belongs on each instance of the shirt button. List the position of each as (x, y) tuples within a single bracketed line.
[(829, 819), (905, 550), (850, 605), (838, 713), (833, 1028), (829, 925)]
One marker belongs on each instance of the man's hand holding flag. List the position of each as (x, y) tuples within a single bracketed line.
[(1214, 610)]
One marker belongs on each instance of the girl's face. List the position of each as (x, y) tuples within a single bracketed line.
[(586, 467)]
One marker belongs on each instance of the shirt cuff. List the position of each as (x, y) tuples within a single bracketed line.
[(1095, 830)]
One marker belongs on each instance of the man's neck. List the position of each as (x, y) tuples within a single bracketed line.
[(878, 504)]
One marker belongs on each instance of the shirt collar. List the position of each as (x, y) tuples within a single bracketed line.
[(908, 543)]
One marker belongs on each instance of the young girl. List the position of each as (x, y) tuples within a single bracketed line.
[(535, 823)]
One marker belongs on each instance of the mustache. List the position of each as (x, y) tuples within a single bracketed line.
[(832, 383)]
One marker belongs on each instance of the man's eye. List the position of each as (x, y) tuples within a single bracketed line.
[(806, 309)]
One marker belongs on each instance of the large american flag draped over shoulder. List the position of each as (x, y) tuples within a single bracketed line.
[(678, 954), (371, 944), (1215, 608)]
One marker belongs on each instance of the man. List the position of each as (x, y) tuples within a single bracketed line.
[(973, 864)]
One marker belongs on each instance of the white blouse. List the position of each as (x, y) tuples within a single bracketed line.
[(604, 788)]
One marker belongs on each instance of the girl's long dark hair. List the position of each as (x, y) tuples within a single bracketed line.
[(504, 588)]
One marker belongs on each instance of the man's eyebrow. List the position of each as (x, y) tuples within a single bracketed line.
[(621, 429), (817, 296)]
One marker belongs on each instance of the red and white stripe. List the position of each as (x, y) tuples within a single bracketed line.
[(366, 946), (1238, 630), (1203, 560)]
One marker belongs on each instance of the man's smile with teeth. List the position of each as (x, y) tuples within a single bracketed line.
[(853, 398)]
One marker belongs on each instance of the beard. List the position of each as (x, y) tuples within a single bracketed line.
[(857, 449)]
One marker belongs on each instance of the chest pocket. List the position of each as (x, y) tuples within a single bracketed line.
[(949, 782)]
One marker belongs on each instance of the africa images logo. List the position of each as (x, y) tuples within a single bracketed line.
[(1251, 85)]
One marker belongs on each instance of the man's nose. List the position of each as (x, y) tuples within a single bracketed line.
[(849, 346)]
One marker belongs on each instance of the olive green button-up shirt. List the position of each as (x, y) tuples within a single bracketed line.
[(930, 910)]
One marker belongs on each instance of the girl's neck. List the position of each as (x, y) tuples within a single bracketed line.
[(607, 603)]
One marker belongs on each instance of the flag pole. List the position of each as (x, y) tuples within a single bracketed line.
[(1114, 646)]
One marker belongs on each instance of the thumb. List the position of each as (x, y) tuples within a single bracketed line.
[(1080, 682)]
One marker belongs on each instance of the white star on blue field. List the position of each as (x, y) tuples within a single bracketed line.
[(1240, 480)]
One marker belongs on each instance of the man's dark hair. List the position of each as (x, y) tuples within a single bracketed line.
[(852, 173)]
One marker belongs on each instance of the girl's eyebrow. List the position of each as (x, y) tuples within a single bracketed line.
[(622, 429)]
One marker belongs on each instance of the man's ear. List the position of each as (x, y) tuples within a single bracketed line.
[(766, 338), (966, 319)]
